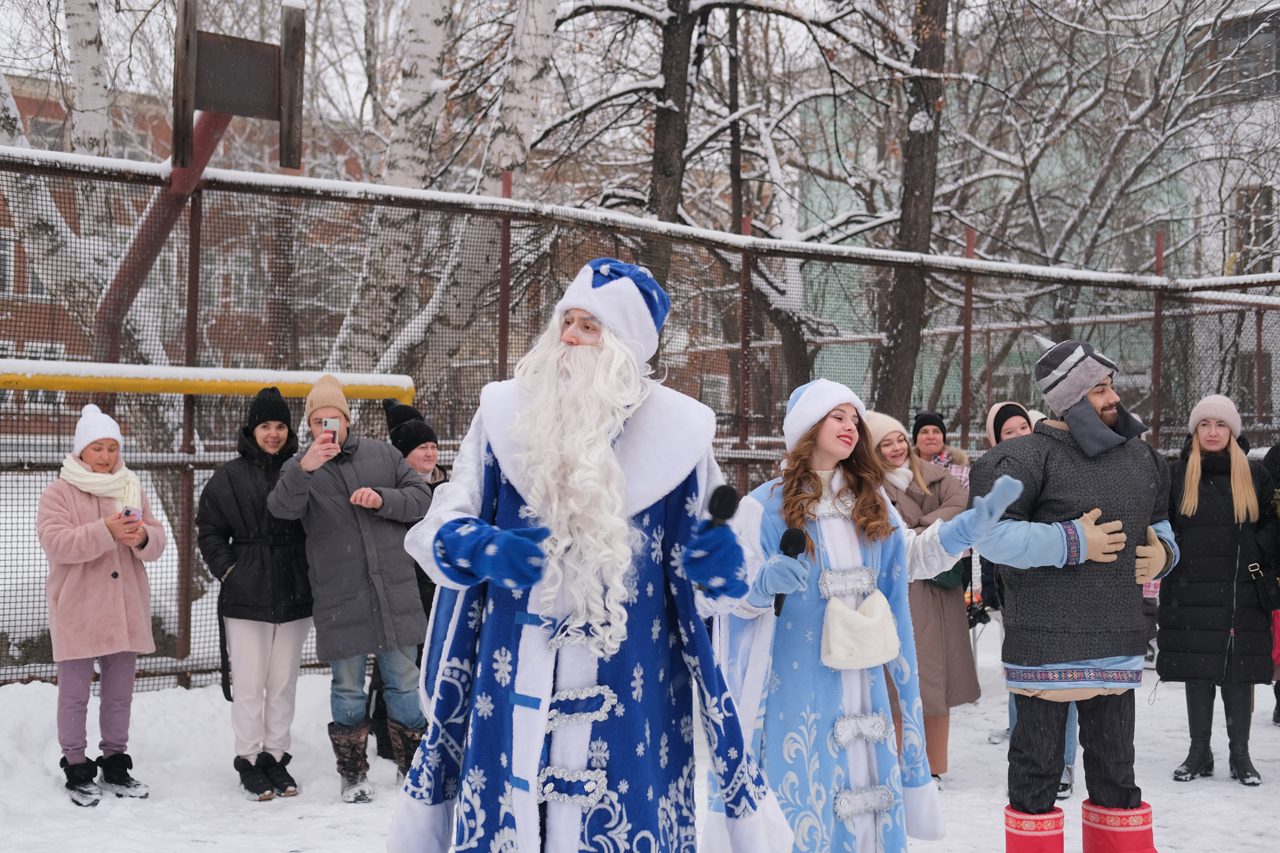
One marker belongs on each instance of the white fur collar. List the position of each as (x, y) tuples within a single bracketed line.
[(660, 444)]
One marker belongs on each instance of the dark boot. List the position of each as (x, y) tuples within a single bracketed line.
[(253, 781), (404, 745), (350, 744), (82, 788), (116, 779), (1238, 701), (1275, 715), (281, 782), (1199, 761)]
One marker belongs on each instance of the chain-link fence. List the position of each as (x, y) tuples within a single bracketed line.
[(451, 290)]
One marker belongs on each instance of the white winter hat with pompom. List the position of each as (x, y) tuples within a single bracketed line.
[(94, 424)]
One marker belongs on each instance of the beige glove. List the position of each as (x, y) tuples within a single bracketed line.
[(1102, 542), (1152, 558)]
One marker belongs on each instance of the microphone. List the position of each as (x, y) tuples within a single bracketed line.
[(723, 504), (791, 544)]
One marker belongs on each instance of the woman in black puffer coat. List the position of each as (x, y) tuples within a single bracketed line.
[(1213, 630), (264, 604)]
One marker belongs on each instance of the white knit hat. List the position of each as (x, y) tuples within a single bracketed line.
[(93, 425), (1216, 406), (880, 425), (812, 402)]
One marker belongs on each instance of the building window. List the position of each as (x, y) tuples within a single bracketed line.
[(7, 350), (46, 133), (1239, 60), (714, 393), (1247, 391), (6, 264), (1253, 224), (35, 284)]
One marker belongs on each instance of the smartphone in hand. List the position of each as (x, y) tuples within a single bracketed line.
[(132, 513), (329, 427)]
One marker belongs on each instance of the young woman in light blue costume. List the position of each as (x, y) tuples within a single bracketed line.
[(813, 677)]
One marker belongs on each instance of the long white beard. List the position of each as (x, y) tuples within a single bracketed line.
[(574, 403)]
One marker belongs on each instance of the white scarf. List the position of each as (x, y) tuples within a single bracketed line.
[(900, 477), (122, 485)]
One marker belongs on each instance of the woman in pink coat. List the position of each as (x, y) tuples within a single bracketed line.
[(96, 528)]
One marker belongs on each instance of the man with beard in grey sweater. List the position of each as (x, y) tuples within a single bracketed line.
[(1074, 628)]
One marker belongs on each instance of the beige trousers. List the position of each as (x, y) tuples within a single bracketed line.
[(264, 679)]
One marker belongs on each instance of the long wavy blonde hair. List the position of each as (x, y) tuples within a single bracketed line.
[(1244, 498), (863, 476)]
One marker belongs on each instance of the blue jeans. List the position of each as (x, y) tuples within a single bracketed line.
[(1073, 731), (399, 684)]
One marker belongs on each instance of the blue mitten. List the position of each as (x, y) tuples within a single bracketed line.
[(715, 562), (469, 550), (780, 575), (971, 526)]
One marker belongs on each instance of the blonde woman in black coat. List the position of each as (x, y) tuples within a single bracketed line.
[(1214, 633)]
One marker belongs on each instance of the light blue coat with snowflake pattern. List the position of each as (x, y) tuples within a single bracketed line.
[(536, 746), (825, 737)]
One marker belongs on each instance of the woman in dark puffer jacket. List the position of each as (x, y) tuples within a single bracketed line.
[(264, 604), (1213, 630)]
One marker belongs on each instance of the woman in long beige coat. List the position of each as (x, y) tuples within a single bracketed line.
[(924, 493)]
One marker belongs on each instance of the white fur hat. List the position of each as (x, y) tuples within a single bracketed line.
[(625, 298), (811, 403), (93, 425), (1216, 406)]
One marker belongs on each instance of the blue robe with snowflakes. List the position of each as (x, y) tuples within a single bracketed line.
[(824, 737), (536, 746)]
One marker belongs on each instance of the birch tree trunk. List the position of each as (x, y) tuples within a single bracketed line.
[(528, 67), (397, 237), (90, 110)]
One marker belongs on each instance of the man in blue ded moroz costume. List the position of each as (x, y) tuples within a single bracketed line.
[(572, 550)]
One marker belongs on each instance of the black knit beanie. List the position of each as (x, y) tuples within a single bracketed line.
[(409, 435), (924, 419), (1003, 414), (399, 413), (268, 405)]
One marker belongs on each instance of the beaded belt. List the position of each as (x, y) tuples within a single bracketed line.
[(857, 580)]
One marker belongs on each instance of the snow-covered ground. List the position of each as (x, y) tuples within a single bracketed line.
[(182, 746)]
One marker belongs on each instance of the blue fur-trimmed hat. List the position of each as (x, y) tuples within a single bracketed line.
[(625, 298), (812, 402)]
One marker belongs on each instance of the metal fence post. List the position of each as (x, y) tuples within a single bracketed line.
[(744, 351), (504, 283), (187, 478), (966, 369), (1157, 348)]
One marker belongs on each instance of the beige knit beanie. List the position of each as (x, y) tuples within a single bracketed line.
[(880, 425), (326, 392), (1216, 406)]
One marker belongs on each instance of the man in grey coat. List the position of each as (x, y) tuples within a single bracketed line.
[(355, 498)]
